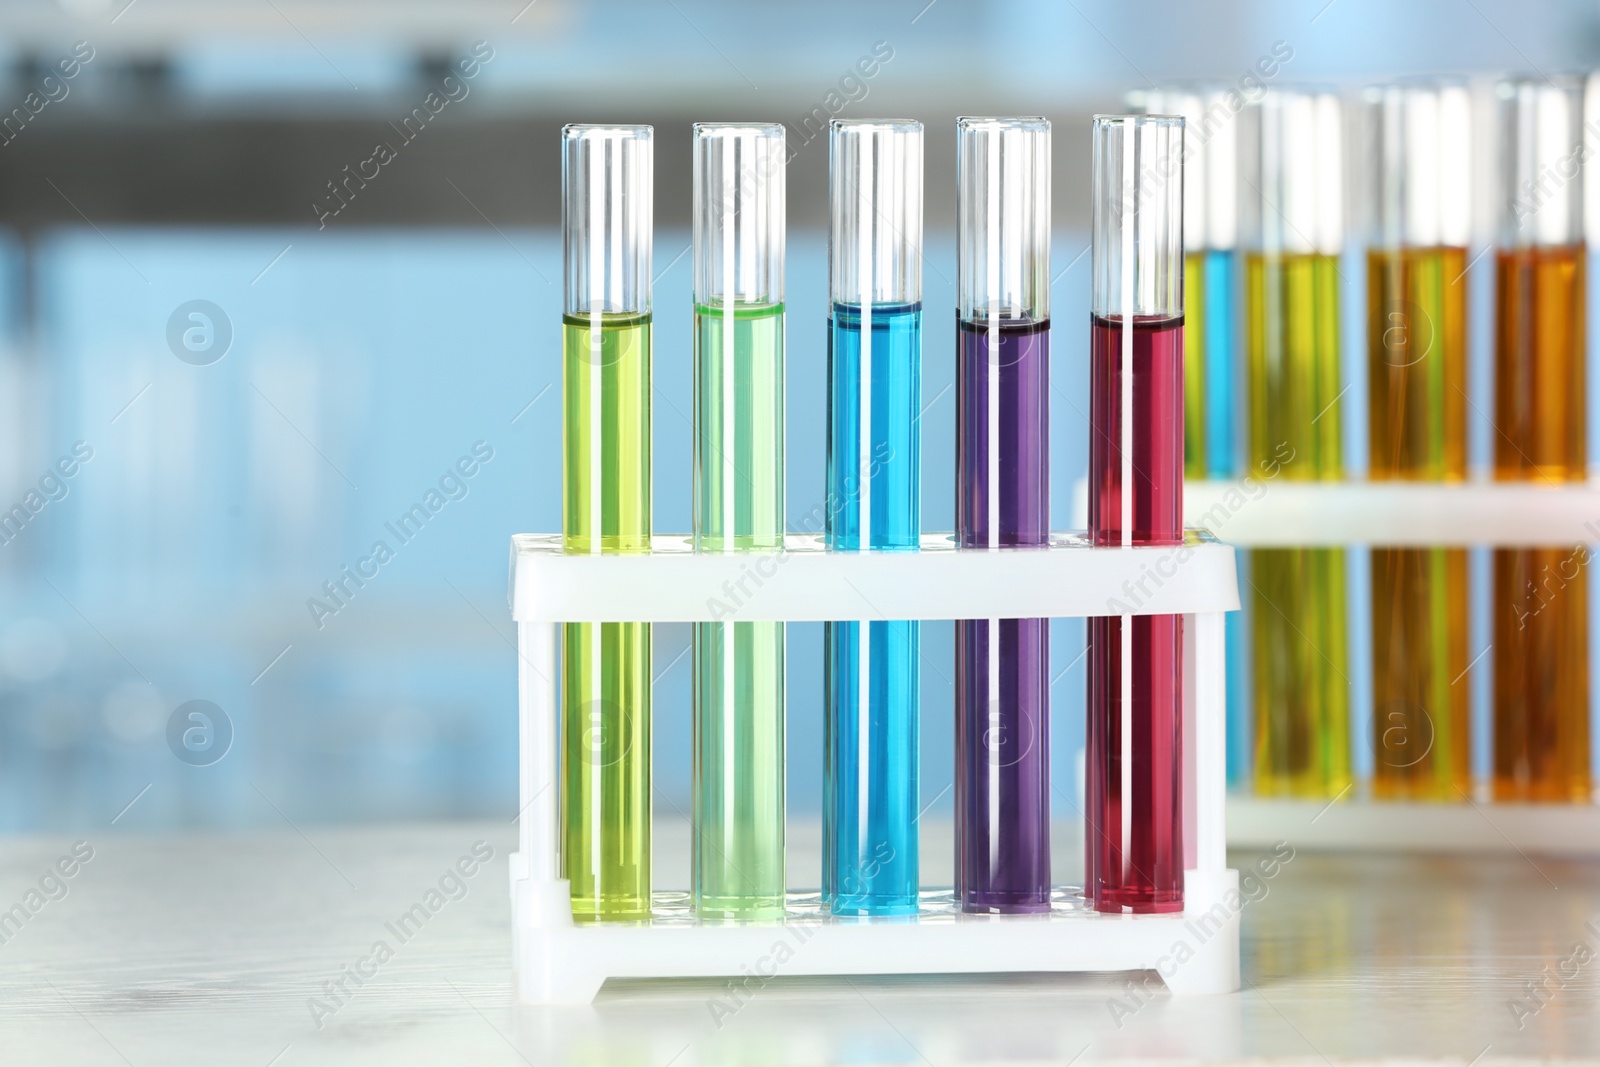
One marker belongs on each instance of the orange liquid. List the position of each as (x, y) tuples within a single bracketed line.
[(1417, 364), (1417, 374), (1541, 595)]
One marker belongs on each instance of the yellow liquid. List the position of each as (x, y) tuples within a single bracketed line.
[(605, 668), (1299, 595), (1417, 375), (1541, 595)]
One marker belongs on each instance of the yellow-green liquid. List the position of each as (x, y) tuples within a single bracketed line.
[(605, 668), (1301, 644), (1195, 463), (738, 869)]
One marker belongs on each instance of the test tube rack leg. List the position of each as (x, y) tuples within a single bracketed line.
[(559, 961)]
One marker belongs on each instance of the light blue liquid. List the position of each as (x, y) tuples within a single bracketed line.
[(893, 489), (1222, 461), (1221, 341), (1241, 736), (870, 809), (870, 787)]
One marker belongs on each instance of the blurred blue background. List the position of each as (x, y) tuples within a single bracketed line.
[(192, 157)]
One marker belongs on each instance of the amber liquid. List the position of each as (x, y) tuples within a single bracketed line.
[(1302, 688), (1541, 595), (1417, 375)]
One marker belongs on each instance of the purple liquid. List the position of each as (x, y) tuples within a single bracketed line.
[(1002, 781), (1133, 779)]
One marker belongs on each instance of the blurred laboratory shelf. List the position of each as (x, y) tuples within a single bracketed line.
[(390, 944), (1471, 826), (1276, 511)]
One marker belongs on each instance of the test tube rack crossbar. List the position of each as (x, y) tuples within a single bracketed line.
[(559, 961), (1267, 513)]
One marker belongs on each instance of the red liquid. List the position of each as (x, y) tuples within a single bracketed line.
[(1157, 431), (1133, 822)]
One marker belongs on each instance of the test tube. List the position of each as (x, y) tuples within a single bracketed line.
[(1213, 412), (1211, 434), (874, 451), (738, 226), (1133, 790), (605, 684), (1293, 221), (1420, 223), (1002, 780), (1541, 594)]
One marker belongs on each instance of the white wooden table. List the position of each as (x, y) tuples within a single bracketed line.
[(209, 950)]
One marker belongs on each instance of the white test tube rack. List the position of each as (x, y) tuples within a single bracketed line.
[(559, 961), (1276, 513)]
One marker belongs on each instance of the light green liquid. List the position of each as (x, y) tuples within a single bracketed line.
[(605, 668), (738, 666)]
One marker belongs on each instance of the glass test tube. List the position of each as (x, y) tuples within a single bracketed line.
[(1420, 224), (1211, 436), (870, 793), (1002, 777), (1541, 595), (1213, 415), (1133, 821), (738, 870), (605, 668), (1293, 219)]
